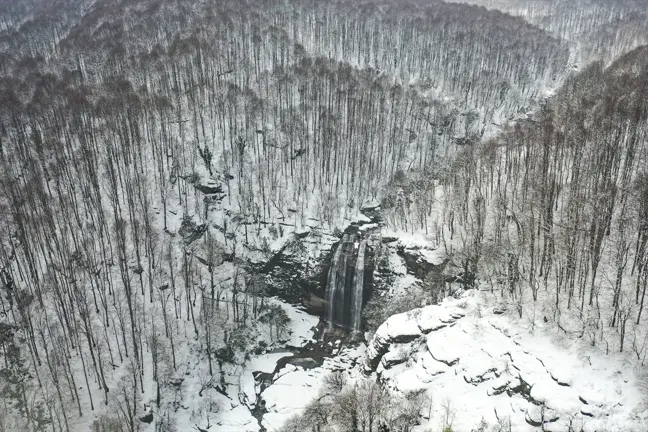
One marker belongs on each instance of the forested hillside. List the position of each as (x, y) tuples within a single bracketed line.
[(155, 154), (558, 204), (603, 30)]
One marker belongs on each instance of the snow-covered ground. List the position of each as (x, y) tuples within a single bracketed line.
[(475, 362), (294, 386), (242, 386)]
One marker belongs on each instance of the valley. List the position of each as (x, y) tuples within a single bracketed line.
[(295, 215)]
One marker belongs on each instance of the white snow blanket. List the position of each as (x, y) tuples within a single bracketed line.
[(487, 367)]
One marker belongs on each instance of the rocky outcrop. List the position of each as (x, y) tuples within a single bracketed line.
[(190, 231), (421, 262), (208, 185), (209, 188), (212, 188), (405, 328), (296, 275), (372, 211), (483, 363)]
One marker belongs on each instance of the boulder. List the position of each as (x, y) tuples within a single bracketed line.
[(209, 186), (147, 418), (421, 262), (372, 211), (191, 231)]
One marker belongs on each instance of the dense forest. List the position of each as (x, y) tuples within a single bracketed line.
[(148, 148), (602, 30)]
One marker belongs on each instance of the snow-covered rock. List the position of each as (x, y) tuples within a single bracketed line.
[(407, 327), (485, 368)]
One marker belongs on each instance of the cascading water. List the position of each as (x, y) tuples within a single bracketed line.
[(332, 286), (341, 301), (344, 290), (358, 287)]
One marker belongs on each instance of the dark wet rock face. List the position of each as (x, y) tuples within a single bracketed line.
[(300, 279), (307, 357), (263, 379), (294, 277)]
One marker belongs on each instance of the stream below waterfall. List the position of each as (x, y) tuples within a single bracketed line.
[(299, 369)]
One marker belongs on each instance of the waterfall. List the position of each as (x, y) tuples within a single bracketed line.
[(333, 284), (345, 286), (358, 288), (341, 300)]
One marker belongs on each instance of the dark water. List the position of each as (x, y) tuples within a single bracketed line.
[(345, 285)]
